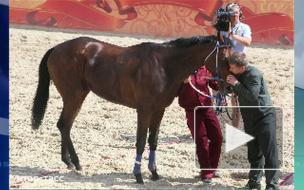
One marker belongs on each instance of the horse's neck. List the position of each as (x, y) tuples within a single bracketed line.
[(187, 60)]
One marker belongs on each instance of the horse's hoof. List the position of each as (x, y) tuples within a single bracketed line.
[(155, 176), (70, 167), (78, 168), (139, 179)]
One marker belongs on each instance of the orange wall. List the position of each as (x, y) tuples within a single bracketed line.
[(271, 21)]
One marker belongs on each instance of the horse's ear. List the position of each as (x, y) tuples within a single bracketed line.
[(220, 37)]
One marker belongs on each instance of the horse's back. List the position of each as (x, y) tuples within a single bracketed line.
[(131, 76)]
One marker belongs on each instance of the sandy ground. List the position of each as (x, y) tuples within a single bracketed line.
[(104, 133)]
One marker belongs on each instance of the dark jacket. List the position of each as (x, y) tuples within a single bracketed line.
[(252, 91), (188, 98)]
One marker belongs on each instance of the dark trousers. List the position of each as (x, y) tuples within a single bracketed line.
[(264, 144), (207, 128)]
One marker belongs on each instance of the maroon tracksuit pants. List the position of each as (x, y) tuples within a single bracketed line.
[(207, 128)]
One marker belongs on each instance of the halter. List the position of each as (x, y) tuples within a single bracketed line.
[(217, 47), (219, 97)]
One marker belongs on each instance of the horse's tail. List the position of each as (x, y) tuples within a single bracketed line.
[(42, 93)]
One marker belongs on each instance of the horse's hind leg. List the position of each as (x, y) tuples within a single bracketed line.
[(65, 156), (144, 118), (70, 110), (153, 138)]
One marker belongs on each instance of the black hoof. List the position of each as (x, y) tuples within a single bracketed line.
[(139, 179), (155, 176), (71, 166), (78, 168)]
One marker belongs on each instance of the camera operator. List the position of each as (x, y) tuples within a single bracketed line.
[(238, 32)]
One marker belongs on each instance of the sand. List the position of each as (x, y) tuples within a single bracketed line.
[(104, 133)]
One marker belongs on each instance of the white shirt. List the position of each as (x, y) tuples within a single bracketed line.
[(240, 29)]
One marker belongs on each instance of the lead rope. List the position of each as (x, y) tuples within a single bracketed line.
[(237, 110)]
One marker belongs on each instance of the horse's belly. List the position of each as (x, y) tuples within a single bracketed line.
[(112, 94)]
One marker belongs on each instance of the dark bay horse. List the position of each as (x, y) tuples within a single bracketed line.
[(146, 77)]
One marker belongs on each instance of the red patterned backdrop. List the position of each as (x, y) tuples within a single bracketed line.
[(271, 21)]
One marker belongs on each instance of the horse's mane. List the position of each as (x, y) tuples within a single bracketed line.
[(187, 42)]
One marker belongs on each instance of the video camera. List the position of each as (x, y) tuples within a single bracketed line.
[(223, 19)]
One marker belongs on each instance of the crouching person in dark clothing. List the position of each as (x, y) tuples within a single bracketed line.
[(260, 122)]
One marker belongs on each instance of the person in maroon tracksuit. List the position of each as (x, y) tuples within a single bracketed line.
[(207, 124)]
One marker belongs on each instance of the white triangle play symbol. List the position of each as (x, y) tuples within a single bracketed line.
[(235, 138)]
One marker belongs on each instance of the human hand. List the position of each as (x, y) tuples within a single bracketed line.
[(230, 34), (229, 30), (187, 80), (231, 80)]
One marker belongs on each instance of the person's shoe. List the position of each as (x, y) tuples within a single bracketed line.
[(216, 175), (251, 186), (207, 180)]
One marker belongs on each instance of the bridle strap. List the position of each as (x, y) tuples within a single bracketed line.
[(217, 47), (216, 60)]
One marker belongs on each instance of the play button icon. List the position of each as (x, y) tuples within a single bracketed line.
[(234, 152), (235, 138)]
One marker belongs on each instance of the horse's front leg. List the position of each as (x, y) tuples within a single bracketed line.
[(143, 121), (153, 138)]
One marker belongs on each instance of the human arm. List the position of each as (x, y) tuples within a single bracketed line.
[(187, 80), (243, 37), (185, 86), (214, 85), (249, 89)]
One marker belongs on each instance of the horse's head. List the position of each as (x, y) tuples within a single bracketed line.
[(221, 69)]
